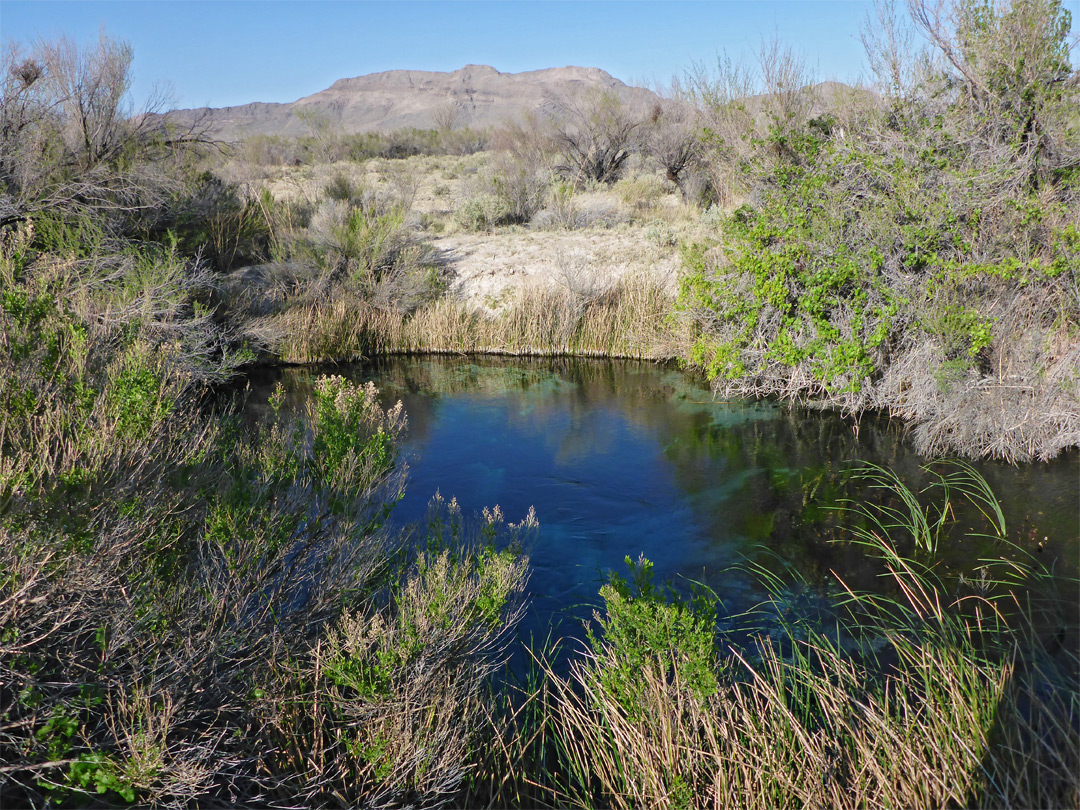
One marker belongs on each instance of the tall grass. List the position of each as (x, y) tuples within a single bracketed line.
[(942, 696), (190, 612), (629, 320)]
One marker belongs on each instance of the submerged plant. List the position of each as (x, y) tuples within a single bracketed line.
[(927, 525)]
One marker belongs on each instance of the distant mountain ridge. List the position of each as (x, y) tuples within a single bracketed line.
[(475, 96)]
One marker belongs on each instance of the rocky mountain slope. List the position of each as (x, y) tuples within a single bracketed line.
[(475, 96)]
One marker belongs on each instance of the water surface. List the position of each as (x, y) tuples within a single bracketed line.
[(625, 459)]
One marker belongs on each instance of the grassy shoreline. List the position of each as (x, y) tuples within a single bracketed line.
[(637, 319), (627, 321)]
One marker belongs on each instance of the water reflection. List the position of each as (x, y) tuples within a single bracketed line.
[(625, 458)]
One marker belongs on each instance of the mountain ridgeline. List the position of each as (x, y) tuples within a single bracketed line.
[(476, 96)]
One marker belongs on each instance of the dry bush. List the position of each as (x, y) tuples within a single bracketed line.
[(516, 182), (79, 716), (97, 353), (167, 609), (344, 238), (465, 141), (99, 392), (528, 142), (1026, 405), (404, 179), (480, 211), (642, 191), (520, 184), (785, 82), (169, 575), (447, 116), (188, 615), (561, 211), (69, 141), (326, 144), (268, 151), (595, 133), (567, 209), (166, 570), (748, 746), (674, 141), (744, 108), (225, 224), (363, 243), (724, 102)]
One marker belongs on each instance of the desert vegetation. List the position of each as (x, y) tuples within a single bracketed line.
[(191, 605), (914, 250), (907, 246), (918, 700), (195, 609)]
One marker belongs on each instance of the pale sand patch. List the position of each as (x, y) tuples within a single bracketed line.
[(487, 270)]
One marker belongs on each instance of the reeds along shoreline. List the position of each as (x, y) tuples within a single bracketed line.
[(637, 319), (630, 320), (937, 696)]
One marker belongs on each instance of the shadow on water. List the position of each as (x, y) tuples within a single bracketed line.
[(623, 458)]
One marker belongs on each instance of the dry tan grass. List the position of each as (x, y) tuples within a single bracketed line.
[(747, 748), (629, 320)]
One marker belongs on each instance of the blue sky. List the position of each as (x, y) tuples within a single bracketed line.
[(225, 52)]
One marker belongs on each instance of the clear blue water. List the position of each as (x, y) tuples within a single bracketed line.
[(624, 458)]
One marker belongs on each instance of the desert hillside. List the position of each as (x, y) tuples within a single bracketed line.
[(476, 96)]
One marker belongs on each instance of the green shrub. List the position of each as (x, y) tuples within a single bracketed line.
[(788, 293), (213, 219), (138, 399), (187, 554), (903, 252), (348, 428), (914, 698), (645, 627), (341, 188), (402, 701), (481, 212), (96, 361)]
